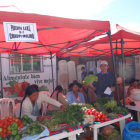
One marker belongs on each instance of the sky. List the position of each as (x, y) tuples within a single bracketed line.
[(123, 12)]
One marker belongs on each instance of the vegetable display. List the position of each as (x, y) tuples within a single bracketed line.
[(50, 124), (110, 107), (98, 116), (32, 129), (73, 115), (10, 127), (26, 120)]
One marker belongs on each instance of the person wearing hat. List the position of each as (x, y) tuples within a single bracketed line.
[(106, 81)]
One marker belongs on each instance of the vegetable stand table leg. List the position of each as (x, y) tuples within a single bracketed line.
[(122, 124), (138, 116), (95, 133), (72, 137)]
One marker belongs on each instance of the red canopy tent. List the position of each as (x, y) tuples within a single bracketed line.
[(101, 47), (55, 34), (124, 42)]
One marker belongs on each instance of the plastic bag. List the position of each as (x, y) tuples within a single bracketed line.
[(129, 134), (37, 136)]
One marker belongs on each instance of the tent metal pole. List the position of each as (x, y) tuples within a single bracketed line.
[(52, 70), (123, 80), (1, 90), (114, 67)]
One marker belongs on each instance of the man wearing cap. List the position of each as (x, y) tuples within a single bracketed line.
[(106, 81)]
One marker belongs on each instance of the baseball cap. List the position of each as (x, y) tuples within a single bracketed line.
[(104, 62)]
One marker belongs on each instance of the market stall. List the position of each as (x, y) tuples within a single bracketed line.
[(60, 36), (68, 123), (70, 135)]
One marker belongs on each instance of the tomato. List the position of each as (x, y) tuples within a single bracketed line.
[(16, 120), (4, 135), (4, 130), (97, 119), (1, 129), (9, 132), (21, 125), (1, 124), (5, 126), (19, 121), (96, 113)]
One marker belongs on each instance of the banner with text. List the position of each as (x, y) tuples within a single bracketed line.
[(20, 32)]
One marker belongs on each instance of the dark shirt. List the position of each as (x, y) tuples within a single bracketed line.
[(83, 75), (104, 81)]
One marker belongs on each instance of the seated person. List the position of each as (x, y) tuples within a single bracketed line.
[(58, 95), (74, 96), (133, 85), (31, 102)]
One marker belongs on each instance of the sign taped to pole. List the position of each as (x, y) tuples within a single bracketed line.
[(20, 32)]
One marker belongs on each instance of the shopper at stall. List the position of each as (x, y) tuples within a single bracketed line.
[(89, 93), (59, 96), (106, 81), (120, 89), (31, 103), (74, 96)]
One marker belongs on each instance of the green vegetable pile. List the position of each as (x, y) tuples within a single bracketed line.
[(33, 129), (26, 120), (120, 110), (90, 79), (114, 135), (51, 124), (73, 115), (109, 107), (88, 106), (102, 101), (111, 104)]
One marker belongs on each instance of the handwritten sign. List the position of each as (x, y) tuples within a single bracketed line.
[(20, 32)]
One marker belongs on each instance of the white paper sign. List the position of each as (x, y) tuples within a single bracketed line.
[(20, 32), (108, 91)]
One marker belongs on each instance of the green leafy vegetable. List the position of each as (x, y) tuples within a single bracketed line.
[(32, 129), (90, 79), (73, 115)]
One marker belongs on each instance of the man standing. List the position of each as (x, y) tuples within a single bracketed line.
[(106, 81), (83, 74)]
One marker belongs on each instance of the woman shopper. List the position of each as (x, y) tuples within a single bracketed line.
[(58, 95), (31, 103)]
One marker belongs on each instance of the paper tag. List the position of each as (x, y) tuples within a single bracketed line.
[(108, 91)]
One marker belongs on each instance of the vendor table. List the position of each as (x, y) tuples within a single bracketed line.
[(121, 120), (135, 108), (69, 135)]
